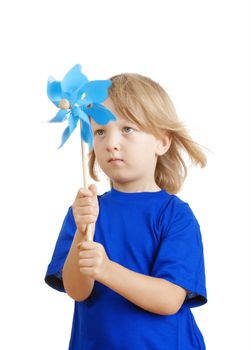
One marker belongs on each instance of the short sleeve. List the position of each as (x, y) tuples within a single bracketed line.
[(53, 275), (179, 258)]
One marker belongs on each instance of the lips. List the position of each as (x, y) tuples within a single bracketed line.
[(115, 159)]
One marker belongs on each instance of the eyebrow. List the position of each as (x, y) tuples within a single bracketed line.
[(124, 122)]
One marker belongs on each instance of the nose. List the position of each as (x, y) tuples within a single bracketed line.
[(113, 142)]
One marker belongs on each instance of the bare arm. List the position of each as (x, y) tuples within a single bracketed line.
[(76, 285), (150, 293)]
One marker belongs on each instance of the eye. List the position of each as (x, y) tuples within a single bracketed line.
[(128, 129), (99, 132)]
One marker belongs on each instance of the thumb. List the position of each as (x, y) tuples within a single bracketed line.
[(93, 189)]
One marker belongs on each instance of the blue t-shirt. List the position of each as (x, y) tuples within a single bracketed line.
[(152, 233)]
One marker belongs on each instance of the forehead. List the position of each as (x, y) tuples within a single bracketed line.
[(120, 119)]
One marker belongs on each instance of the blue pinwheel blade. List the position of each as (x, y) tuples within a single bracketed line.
[(54, 91), (99, 113), (65, 136), (86, 133), (86, 129), (72, 123), (68, 131), (60, 116), (74, 79), (95, 91)]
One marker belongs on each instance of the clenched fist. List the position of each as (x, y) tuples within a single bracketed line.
[(85, 208), (93, 260)]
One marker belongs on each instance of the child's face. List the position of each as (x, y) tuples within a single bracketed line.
[(135, 150)]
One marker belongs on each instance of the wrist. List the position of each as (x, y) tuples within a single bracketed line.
[(107, 272)]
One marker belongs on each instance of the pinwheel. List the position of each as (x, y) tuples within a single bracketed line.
[(80, 99)]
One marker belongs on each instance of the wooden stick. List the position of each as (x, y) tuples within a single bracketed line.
[(84, 151)]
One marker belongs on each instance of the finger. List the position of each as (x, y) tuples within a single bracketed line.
[(86, 263), (87, 210), (85, 254), (85, 201), (83, 192), (93, 189), (82, 220), (87, 271), (87, 245)]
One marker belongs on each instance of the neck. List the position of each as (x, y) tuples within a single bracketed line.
[(132, 188)]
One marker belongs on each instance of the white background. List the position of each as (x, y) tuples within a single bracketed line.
[(199, 51)]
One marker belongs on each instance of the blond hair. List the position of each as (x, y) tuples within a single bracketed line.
[(147, 104)]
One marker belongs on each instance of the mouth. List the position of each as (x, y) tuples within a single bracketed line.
[(113, 160)]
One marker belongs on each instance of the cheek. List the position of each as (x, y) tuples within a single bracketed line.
[(147, 147), (143, 156), (99, 153), (96, 147)]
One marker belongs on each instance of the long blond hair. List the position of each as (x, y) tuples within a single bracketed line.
[(147, 104)]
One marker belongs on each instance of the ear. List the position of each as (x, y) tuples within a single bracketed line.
[(163, 145)]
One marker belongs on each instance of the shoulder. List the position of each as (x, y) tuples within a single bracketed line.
[(176, 207), (177, 214)]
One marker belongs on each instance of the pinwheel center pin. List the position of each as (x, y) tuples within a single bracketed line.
[(64, 104)]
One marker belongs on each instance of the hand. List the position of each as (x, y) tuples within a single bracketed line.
[(93, 260), (85, 207)]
